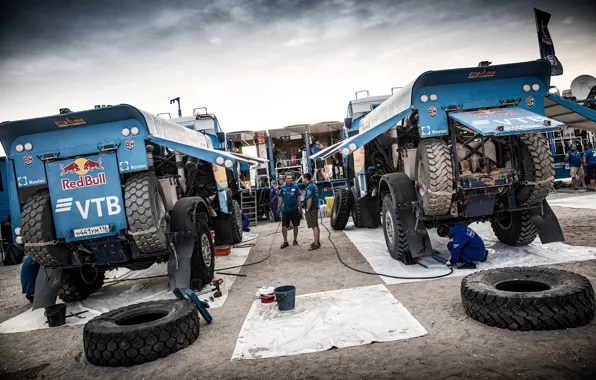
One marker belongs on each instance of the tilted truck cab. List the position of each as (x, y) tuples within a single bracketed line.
[(453, 146), (116, 186)]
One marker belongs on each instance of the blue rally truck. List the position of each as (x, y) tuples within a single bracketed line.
[(116, 187), (453, 146)]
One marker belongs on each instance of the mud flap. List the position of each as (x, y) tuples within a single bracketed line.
[(47, 284), (547, 224), (418, 239), (183, 227), (370, 211)]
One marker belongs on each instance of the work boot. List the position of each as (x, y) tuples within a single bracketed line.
[(469, 265), (485, 257)]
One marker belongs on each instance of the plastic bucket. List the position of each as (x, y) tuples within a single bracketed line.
[(285, 297), (56, 315)]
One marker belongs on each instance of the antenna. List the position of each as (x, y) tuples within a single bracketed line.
[(580, 86)]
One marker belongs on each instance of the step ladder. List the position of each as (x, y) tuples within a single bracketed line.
[(248, 204)]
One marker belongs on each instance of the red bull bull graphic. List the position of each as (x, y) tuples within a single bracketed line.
[(82, 166)]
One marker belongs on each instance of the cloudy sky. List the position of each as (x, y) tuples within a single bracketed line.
[(262, 64)]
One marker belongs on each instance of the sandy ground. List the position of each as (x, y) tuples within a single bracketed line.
[(456, 347)]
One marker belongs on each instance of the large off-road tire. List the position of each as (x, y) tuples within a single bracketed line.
[(514, 228), (202, 261), (357, 216), (140, 333), (146, 213), (342, 207), (538, 167), (79, 283), (528, 298), (38, 232), (395, 236), (434, 174), (235, 222)]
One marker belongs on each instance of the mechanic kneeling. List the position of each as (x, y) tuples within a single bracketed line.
[(466, 246)]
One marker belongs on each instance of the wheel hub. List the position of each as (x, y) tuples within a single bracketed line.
[(206, 249), (389, 228)]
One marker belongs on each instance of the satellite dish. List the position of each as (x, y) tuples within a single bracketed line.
[(580, 87)]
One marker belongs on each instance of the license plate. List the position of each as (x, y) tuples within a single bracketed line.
[(92, 231)]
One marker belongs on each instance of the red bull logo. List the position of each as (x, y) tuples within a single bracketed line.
[(82, 166)]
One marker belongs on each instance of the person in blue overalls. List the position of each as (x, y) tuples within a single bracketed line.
[(289, 197), (29, 271), (273, 198), (576, 165), (590, 161), (466, 246)]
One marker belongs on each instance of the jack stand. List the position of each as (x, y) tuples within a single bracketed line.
[(202, 306)]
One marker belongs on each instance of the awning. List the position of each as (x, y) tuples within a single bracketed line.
[(205, 154), (355, 142), (570, 113), (505, 121)]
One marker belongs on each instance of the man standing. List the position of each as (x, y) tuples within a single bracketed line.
[(590, 161), (289, 197), (575, 164), (273, 197), (312, 210), (466, 246)]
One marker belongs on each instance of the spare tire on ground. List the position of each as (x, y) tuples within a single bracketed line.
[(140, 333), (528, 298), (342, 208)]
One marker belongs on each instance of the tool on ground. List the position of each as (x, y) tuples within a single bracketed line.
[(216, 283), (202, 306), (232, 274), (77, 314)]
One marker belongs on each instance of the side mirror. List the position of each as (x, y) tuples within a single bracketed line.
[(348, 123), (221, 136)]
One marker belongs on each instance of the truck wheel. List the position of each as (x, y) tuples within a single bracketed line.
[(537, 166), (357, 210), (202, 261), (235, 222), (395, 236), (434, 174), (140, 333), (146, 213), (514, 228), (342, 207), (79, 283), (528, 298), (37, 229)]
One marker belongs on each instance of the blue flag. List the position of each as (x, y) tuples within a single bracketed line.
[(545, 42)]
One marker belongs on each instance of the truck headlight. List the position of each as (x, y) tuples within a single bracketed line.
[(19, 240), (352, 147), (19, 148), (433, 97), (424, 98), (535, 87), (17, 231), (345, 151), (228, 163), (134, 130), (125, 132), (28, 146), (526, 88), (219, 160)]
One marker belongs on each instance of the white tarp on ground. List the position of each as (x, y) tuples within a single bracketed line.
[(320, 321), (113, 296), (585, 201), (371, 244)]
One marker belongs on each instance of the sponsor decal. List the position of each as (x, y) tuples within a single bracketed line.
[(484, 73), (432, 111), (491, 113), (130, 144), (112, 206), (530, 101), (82, 166), (70, 122), (23, 181), (28, 159)]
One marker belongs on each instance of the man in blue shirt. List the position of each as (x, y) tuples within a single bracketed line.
[(576, 165), (311, 198), (590, 161), (466, 246), (273, 197), (289, 197), (319, 163)]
